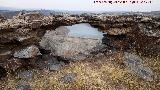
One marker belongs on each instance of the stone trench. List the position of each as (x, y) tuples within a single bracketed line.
[(37, 41)]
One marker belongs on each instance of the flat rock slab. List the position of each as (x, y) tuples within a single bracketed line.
[(134, 63), (72, 48)]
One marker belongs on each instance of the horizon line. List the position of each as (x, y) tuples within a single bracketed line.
[(32, 9)]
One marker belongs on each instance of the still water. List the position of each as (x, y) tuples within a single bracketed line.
[(84, 30)]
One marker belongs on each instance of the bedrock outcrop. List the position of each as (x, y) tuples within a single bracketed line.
[(70, 48), (124, 32)]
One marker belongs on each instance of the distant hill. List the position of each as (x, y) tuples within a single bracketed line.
[(9, 12), (8, 8)]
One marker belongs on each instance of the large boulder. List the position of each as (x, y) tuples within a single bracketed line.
[(73, 48)]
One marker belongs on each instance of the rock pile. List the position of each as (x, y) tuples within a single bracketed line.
[(24, 38)]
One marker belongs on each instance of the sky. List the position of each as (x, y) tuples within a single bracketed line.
[(80, 5)]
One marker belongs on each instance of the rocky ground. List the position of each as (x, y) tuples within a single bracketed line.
[(37, 54)]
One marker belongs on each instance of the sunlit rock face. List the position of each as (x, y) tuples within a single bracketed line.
[(71, 44)]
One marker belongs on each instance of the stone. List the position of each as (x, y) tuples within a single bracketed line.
[(73, 48), (13, 24), (54, 67), (145, 40), (23, 38), (13, 64), (33, 16), (142, 33), (68, 78), (36, 24), (27, 74), (149, 30), (118, 31), (4, 55), (50, 63), (134, 63), (116, 42), (146, 19), (45, 62), (23, 31), (23, 85), (28, 52), (2, 18)]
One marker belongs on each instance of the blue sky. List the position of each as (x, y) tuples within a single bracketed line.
[(82, 5)]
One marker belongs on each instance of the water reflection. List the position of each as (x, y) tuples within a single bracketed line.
[(84, 30)]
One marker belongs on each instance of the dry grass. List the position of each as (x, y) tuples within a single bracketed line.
[(103, 73)]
